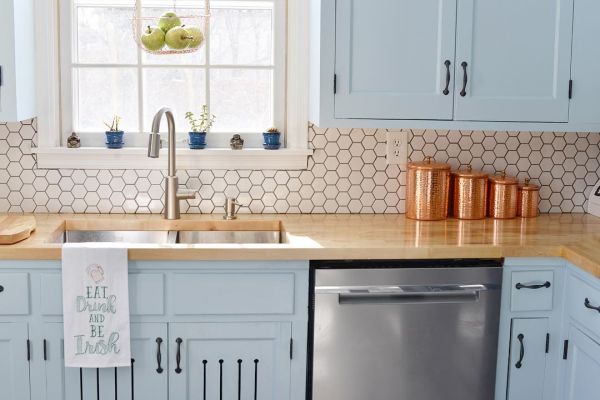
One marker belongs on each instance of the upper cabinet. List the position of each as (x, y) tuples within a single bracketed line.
[(585, 105), (394, 59), (448, 64), (513, 60), (17, 60)]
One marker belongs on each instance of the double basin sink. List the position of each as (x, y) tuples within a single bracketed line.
[(224, 233)]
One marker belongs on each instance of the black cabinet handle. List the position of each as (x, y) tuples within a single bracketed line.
[(464, 65), (1, 288), (178, 356), (520, 286), (159, 368), (45, 350), (519, 363), (446, 91), (589, 305)]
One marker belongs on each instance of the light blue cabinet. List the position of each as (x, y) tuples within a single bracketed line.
[(253, 312), (395, 59), (585, 104), (17, 60), (512, 65), (230, 360), (583, 370), (528, 356), (142, 380), (513, 60), (14, 361)]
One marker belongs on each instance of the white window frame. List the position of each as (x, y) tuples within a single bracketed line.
[(51, 150)]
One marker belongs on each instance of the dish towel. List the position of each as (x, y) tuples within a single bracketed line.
[(96, 306)]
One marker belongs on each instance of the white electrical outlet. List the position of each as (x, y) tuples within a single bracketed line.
[(397, 147)]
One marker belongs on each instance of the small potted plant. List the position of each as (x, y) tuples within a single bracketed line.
[(114, 136), (272, 139), (199, 127)]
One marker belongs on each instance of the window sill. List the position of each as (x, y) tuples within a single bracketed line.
[(136, 158)]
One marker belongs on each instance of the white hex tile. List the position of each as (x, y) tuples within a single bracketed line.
[(66, 198), (91, 184)]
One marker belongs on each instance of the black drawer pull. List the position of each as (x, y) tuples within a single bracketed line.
[(447, 63), (159, 368), (589, 305), (546, 285), (178, 369), (519, 363), (463, 92), (1, 288)]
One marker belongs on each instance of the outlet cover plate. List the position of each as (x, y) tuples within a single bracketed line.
[(397, 148)]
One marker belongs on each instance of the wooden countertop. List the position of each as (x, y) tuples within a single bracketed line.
[(575, 237)]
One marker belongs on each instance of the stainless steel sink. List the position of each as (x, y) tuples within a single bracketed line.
[(225, 237), (137, 237), (174, 237)]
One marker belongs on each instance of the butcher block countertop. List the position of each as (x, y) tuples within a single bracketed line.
[(575, 237)]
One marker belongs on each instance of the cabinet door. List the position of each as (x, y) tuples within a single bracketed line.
[(516, 56), (585, 105), (229, 361), (391, 59), (14, 366), (583, 368), (527, 366), (140, 381)]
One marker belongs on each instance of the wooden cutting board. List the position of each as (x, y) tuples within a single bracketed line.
[(15, 228)]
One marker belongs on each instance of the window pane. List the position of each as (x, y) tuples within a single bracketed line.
[(105, 35), (182, 89), (104, 92), (241, 36), (195, 58), (242, 99)]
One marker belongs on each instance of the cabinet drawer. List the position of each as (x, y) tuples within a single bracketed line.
[(14, 294), (577, 293), (531, 290), (146, 294), (232, 293)]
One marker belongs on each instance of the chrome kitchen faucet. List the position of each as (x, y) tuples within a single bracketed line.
[(172, 194)]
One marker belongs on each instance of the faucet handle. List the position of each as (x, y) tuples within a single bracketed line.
[(186, 194)]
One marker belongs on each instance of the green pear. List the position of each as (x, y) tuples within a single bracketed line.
[(177, 38), (197, 37), (168, 21), (153, 38)]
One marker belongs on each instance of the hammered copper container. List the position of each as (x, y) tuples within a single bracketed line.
[(528, 198), (502, 197), (427, 190), (469, 194)]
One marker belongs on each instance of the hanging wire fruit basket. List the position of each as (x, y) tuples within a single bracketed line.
[(170, 33)]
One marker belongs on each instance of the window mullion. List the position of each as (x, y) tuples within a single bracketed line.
[(140, 76)]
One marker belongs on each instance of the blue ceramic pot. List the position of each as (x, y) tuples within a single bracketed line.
[(272, 140), (197, 140), (114, 139)]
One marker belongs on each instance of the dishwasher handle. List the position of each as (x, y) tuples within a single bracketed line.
[(406, 294)]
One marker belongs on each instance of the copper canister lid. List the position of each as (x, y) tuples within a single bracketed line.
[(528, 186), (502, 179), (428, 164), (469, 173)]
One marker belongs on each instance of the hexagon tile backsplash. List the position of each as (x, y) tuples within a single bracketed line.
[(348, 174)]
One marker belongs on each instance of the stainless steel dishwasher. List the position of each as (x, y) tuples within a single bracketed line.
[(406, 330)]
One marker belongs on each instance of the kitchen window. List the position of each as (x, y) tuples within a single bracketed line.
[(240, 73)]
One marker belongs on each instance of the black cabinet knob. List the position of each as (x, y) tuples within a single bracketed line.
[(1, 288)]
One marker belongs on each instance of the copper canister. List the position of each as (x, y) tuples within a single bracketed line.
[(427, 190), (469, 194), (502, 197), (528, 198)]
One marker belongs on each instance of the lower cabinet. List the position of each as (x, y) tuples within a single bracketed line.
[(229, 361), (583, 368), (146, 378), (14, 364), (528, 356)]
